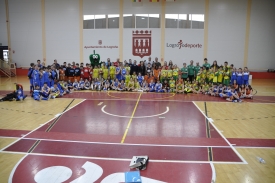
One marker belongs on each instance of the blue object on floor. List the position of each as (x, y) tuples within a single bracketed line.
[(132, 177)]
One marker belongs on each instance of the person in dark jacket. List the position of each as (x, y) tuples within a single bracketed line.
[(134, 68), (142, 68)]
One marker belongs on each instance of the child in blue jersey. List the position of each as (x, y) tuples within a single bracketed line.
[(233, 76), (151, 86), (140, 79), (75, 85), (50, 82), (220, 89), (121, 86), (240, 77), (54, 91), (17, 94), (145, 87), (158, 87), (118, 73), (214, 91), (61, 90), (53, 75), (81, 84), (36, 93), (30, 76), (92, 84), (106, 85), (115, 84), (87, 85), (245, 76), (70, 86), (41, 77), (45, 92), (97, 84), (46, 76), (123, 73), (36, 76)]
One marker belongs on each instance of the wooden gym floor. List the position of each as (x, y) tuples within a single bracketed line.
[(93, 135)]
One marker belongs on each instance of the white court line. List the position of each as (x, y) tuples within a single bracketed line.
[(38, 127), (251, 147), (232, 147), (213, 172), (14, 168), (124, 159), (124, 144), (102, 109), (100, 103)]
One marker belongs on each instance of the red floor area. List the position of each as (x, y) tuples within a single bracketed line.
[(160, 96), (252, 142), (21, 146), (165, 172), (122, 151), (12, 133)]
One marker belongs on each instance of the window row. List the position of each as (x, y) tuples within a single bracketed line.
[(182, 21)]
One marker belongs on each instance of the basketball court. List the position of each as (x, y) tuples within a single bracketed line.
[(92, 136)]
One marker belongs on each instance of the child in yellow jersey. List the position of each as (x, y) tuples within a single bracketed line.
[(130, 86), (105, 72), (204, 73), (127, 68), (136, 85), (163, 74), (220, 75), (175, 73), (196, 88), (112, 71), (127, 78), (172, 84), (226, 77), (205, 88), (169, 73), (215, 78), (95, 73), (199, 74), (187, 87), (179, 87), (210, 75), (100, 71)]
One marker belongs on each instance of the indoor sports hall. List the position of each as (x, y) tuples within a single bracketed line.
[(90, 135)]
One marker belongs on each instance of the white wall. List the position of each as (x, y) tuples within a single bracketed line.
[(25, 31), (185, 7), (261, 39), (94, 7), (226, 33), (3, 27), (108, 48), (184, 54), (62, 30)]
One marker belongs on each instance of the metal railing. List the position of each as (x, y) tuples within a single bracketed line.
[(7, 68)]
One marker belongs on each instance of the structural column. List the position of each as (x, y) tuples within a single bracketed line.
[(206, 18), (247, 32)]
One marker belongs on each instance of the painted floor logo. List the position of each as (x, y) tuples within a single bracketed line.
[(180, 45)]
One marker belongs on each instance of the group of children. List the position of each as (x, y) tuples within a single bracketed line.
[(224, 81)]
